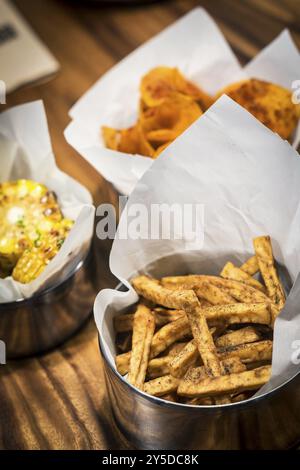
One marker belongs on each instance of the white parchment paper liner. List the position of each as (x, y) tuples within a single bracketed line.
[(247, 178), (197, 47), (26, 152)]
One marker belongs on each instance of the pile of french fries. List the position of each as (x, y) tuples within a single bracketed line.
[(201, 339)]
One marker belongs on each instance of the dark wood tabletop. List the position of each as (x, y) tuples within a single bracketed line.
[(58, 400)]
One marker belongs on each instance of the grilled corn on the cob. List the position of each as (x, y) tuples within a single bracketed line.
[(30, 219), (34, 260)]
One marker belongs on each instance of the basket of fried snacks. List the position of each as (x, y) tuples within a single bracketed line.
[(200, 343), (45, 238), (134, 111)]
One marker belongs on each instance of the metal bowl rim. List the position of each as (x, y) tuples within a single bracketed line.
[(159, 401)]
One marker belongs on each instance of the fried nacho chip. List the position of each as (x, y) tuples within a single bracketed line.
[(264, 254), (131, 140), (167, 121), (163, 82), (160, 149), (233, 383), (143, 330), (232, 272), (269, 103)]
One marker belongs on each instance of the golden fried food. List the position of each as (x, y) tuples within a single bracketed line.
[(204, 350), (231, 383), (168, 334), (249, 352), (162, 82), (248, 334), (264, 254), (165, 122), (232, 272), (143, 330), (269, 103), (32, 228), (250, 266), (169, 104), (161, 385), (131, 140)]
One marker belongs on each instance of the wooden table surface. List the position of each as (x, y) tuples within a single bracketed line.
[(58, 401)]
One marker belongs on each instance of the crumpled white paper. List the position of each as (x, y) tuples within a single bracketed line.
[(26, 152), (197, 47), (247, 178)]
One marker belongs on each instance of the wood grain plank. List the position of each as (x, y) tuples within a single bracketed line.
[(58, 400)]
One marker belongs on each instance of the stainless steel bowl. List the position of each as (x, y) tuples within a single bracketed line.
[(271, 421), (47, 319), (144, 422)]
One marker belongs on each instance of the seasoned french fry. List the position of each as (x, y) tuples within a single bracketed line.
[(161, 386), (151, 289), (250, 266), (250, 352), (184, 359), (174, 349), (238, 290), (143, 331), (164, 316), (230, 366), (124, 323), (233, 365), (122, 362), (188, 301), (202, 336), (213, 294), (247, 353), (225, 384), (168, 334), (232, 272), (264, 254), (240, 313), (242, 336), (193, 355), (158, 367)]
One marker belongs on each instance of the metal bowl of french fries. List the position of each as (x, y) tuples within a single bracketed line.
[(32, 232), (193, 352)]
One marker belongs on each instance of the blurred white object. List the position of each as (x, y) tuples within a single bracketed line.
[(23, 57)]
